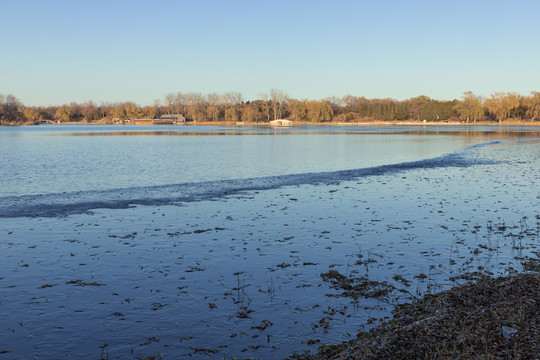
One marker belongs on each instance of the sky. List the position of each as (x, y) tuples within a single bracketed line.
[(55, 52)]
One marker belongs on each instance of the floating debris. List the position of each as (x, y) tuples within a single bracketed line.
[(47, 286), (264, 325), (356, 287), (157, 306), (243, 314), (204, 350), (150, 340), (84, 283)]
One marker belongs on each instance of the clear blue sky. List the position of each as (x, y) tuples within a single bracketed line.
[(58, 51)]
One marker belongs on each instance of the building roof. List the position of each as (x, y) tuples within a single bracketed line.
[(172, 116)]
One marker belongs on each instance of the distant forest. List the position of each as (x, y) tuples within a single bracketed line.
[(230, 107)]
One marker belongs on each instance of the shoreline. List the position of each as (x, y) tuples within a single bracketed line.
[(301, 124), (370, 124), (492, 316)]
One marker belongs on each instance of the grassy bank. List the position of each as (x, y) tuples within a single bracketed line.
[(465, 322)]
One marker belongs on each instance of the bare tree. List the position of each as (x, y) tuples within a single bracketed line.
[(533, 105), (194, 104), (298, 109), (335, 102), (179, 103), (2, 102), (349, 101), (10, 107), (212, 110), (500, 104), (250, 113), (90, 111), (265, 99), (470, 108), (232, 100), (213, 99), (279, 99), (169, 103)]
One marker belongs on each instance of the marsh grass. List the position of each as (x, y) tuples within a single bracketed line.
[(464, 322), (356, 287), (461, 323)]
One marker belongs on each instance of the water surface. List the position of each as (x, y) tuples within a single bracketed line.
[(55, 159), (210, 242)]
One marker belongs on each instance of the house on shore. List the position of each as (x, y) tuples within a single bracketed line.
[(171, 118), (167, 119)]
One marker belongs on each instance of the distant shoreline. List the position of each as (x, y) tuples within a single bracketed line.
[(329, 124)]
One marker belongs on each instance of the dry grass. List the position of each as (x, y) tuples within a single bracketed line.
[(462, 323), (355, 287)]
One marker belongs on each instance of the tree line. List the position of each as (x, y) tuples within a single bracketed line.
[(231, 107)]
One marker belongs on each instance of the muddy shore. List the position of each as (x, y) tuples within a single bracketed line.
[(495, 318)]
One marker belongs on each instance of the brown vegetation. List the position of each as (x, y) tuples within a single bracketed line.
[(465, 322), (231, 108)]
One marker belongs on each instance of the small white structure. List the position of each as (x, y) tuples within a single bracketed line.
[(281, 122)]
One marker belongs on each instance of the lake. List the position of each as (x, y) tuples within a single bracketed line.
[(126, 241)]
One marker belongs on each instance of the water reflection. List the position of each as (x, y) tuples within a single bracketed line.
[(496, 133), (51, 159)]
